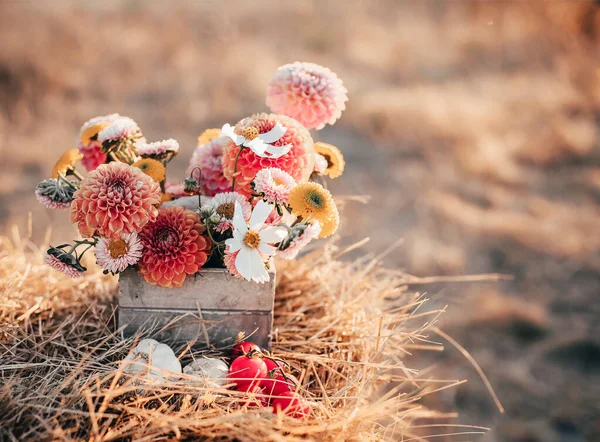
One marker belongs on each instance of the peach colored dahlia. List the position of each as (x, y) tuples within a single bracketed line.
[(298, 162), (310, 93), (208, 157), (174, 247), (115, 199)]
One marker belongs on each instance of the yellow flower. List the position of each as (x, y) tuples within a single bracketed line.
[(66, 162), (164, 197), (329, 227), (312, 201), (208, 135), (334, 157), (153, 168), (92, 132)]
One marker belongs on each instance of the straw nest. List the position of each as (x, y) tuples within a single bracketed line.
[(345, 327)]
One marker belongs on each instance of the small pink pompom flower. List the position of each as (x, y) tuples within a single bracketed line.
[(92, 155), (311, 232), (158, 148), (115, 255), (209, 158), (122, 127), (274, 184), (307, 92), (115, 199), (176, 190)]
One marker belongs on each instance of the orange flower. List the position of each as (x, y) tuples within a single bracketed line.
[(174, 247), (66, 162)]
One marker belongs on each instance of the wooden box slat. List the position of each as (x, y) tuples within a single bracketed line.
[(226, 305)]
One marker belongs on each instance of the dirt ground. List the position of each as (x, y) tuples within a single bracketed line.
[(473, 126)]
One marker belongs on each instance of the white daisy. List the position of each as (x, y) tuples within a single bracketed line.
[(116, 255), (223, 205), (253, 242), (260, 144)]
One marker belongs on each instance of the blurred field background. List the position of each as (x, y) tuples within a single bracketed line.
[(474, 126)]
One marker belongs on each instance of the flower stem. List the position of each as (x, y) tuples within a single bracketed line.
[(235, 168)]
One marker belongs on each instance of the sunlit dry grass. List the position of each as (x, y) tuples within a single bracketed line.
[(345, 328)]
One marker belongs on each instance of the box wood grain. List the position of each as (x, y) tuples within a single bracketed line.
[(210, 304)]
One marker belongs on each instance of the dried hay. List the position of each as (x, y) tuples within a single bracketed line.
[(345, 327)]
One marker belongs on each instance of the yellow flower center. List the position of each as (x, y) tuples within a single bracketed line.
[(250, 133), (117, 248), (226, 210), (252, 239), (278, 181)]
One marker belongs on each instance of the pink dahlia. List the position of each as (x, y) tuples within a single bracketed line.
[(229, 261), (208, 157), (115, 255), (115, 199), (92, 155), (310, 93), (274, 185), (174, 247), (312, 231), (298, 162)]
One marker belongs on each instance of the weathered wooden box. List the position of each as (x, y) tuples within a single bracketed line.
[(211, 308)]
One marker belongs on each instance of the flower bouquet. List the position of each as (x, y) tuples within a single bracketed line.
[(254, 190)]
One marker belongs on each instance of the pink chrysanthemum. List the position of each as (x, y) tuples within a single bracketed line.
[(174, 247), (311, 232), (208, 157), (307, 92), (158, 148), (115, 199), (298, 162), (229, 261), (176, 190), (115, 255), (63, 267), (122, 127), (92, 155), (320, 164), (274, 184), (223, 205)]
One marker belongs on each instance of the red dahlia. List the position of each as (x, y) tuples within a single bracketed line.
[(174, 247)]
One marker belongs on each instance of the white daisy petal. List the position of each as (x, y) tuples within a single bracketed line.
[(257, 146), (228, 131), (259, 273), (260, 214), (272, 234), (274, 134), (266, 249), (278, 151), (243, 262), (233, 244), (238, 219)]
